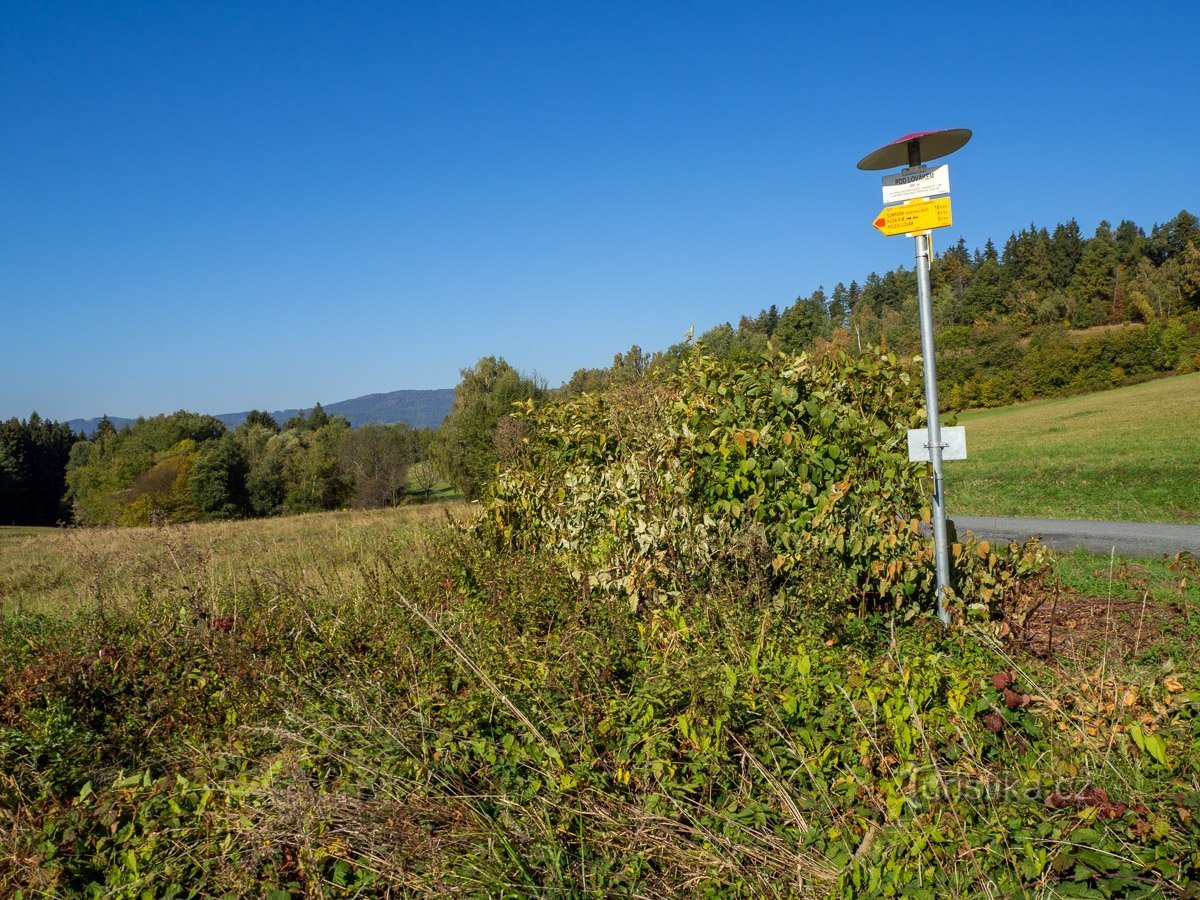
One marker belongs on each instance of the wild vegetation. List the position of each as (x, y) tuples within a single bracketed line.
[(761, 467), (1125, 455), (609, 683)]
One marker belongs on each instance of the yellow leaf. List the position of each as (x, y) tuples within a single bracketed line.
[(984, 547), (1174, 685)]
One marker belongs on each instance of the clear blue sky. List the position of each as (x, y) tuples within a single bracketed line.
[(220, 206)]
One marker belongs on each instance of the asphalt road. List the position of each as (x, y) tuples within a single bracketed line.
[(1128, 538)]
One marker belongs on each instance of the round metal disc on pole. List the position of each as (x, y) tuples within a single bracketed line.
[(928, 145)]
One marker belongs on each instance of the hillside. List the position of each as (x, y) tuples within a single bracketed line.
[(420, 409)]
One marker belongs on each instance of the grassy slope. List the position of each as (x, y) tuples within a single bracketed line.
[(1131, 454)]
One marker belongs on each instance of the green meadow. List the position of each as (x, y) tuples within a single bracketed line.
[(1129, 454)]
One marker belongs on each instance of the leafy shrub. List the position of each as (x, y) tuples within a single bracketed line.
[(722, 468)]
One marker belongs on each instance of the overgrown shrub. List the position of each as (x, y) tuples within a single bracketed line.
[(760, 467)]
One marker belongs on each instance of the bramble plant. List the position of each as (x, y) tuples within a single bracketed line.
[(645, 489)]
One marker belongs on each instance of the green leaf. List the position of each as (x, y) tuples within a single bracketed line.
[(1156, 747)]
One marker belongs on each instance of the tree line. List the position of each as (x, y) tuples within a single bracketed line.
[(187, 467), (33, 467), (1052, 313)]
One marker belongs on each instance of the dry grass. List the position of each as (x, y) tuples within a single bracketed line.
[(58, 571)]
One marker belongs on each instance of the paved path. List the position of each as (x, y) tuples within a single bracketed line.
[(1129, 538)]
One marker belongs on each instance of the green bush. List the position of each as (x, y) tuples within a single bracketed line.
[(722, 468)]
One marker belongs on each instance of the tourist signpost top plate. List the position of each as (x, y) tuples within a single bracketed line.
[(915, 182)]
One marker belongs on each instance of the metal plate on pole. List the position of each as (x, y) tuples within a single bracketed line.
[(920, 215), (916, 181), (954, 443), (932, 144)]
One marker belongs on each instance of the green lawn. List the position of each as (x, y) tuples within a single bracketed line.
[(1130, 454)]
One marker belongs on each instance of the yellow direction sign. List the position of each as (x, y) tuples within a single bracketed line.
[(916, 215)]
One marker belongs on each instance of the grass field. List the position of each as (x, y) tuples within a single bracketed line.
[(1130, 454), (63, 571)]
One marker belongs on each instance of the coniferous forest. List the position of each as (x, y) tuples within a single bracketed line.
[(1053, 312)]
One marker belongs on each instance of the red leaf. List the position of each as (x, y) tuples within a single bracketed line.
[(1093, 796), (1055, 800)]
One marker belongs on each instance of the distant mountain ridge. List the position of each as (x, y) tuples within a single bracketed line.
[(419, 409)]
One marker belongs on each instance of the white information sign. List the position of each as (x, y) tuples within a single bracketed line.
[(954, 443), (916, 181)]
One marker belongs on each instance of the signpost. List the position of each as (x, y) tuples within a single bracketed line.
[(954, 444), (916, 217), (916, 181)]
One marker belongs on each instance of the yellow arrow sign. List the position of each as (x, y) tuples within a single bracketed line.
[(916, 215)]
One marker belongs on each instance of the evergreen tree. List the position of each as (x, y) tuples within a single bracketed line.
[(262, 419), (1095, 279), (771, 320), (839, 306), (1169, 241), (218, 480), (983, 295), (1066, 250), (803, 322), (1131, 243), (308, 421), (33, 462)]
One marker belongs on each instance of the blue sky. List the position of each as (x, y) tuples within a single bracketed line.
[(219, 206)]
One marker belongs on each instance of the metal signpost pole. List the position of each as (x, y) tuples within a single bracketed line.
[(932, 417), (934, 426)]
